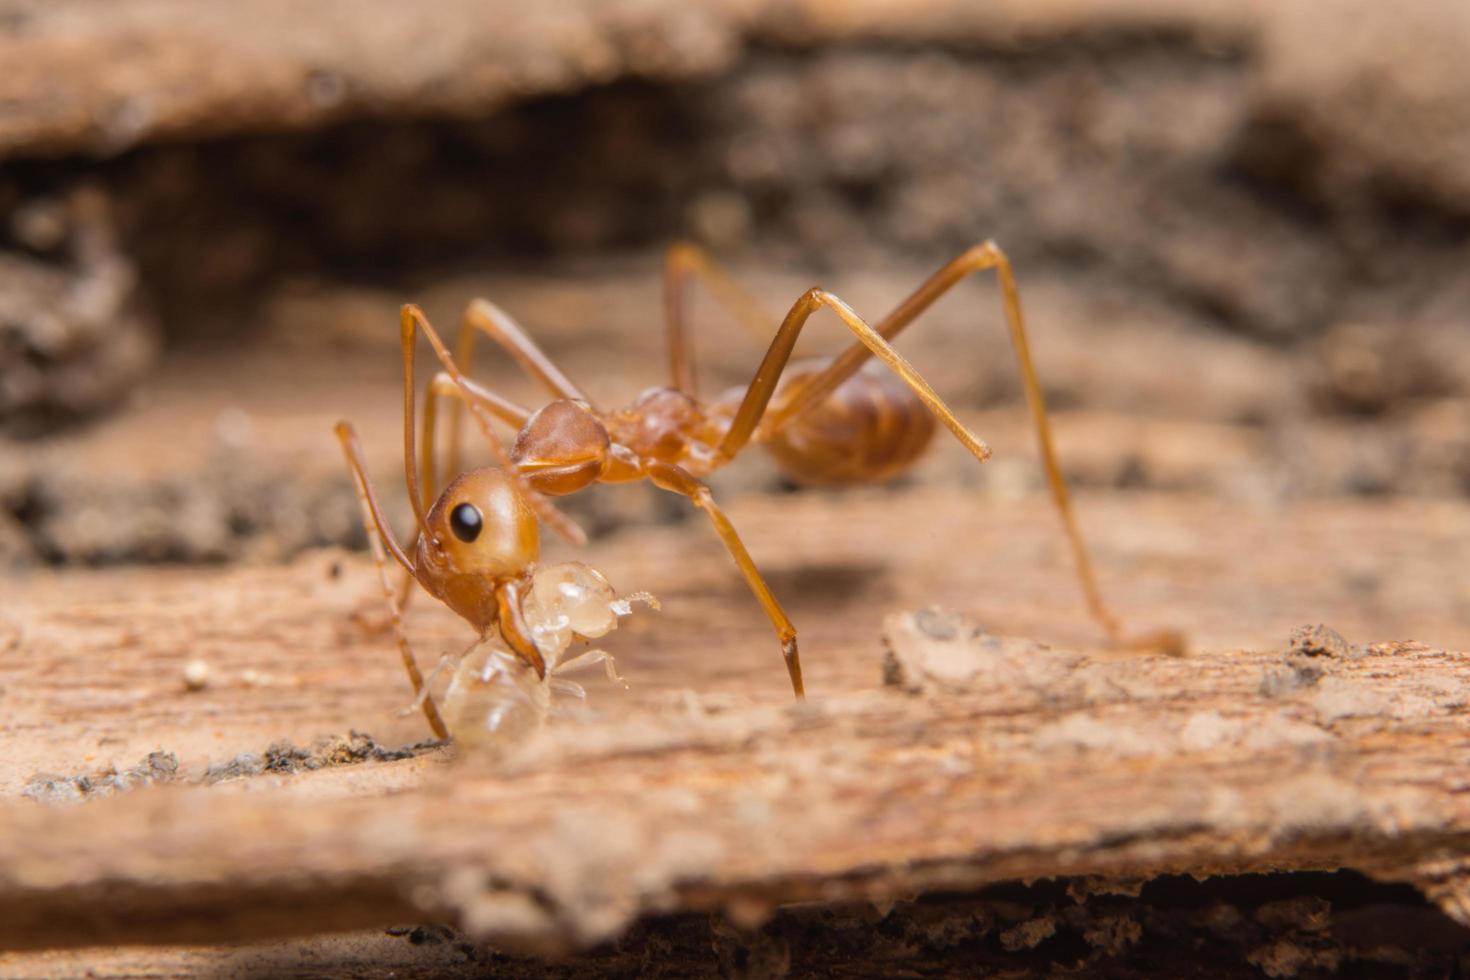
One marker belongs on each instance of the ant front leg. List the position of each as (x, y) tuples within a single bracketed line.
[(676, 480), (484, 317), (378, 535), (444, 386), (481, 404)]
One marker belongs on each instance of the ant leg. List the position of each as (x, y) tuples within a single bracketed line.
[(483, 316), (379, 534), (677, 480), (753, 406), (979, 258), (685, 261), (873, 342), (442, 386), (479, 401)]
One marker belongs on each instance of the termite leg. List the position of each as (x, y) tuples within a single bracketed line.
[(378, 535), (673, 478), (591, 658), (684, 262)]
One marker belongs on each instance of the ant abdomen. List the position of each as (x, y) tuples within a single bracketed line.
[(872, 427)]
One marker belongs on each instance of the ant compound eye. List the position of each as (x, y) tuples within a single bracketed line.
[(465, 522)]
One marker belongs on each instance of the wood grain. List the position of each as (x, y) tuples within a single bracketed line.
[(704, 788)]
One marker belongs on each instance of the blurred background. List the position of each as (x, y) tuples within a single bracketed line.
[(1242, 234)]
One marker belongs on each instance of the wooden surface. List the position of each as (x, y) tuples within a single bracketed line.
[(704, 788), (140, 812), (241, 822), (101, 79)]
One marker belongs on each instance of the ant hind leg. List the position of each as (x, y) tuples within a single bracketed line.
[(750, 420), (683, 262)]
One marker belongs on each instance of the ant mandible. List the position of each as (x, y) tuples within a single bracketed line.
[(824, 421)]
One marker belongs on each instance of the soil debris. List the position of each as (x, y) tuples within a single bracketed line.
[(156, 767), (280, 757), (1317, 641), (328, 751), (1310, 653)]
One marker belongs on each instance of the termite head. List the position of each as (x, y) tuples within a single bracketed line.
[(562, 448), (481, 531)]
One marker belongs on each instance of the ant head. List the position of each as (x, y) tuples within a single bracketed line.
[(481, 526)]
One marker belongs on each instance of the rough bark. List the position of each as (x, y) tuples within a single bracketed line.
[(984, 760)]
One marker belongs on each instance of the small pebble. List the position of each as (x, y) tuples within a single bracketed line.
[(196, 675)]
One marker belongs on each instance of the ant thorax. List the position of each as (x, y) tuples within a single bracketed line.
[(668, 425), (495, 697)]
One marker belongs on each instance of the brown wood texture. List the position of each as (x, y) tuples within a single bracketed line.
[(705, 788), (101, 78), (136, 810)]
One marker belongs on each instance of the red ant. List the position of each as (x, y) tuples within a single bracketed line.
[(824, 422)]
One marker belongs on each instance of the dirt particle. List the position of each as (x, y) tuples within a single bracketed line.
[(244, 764), (1317, 641), (1310, 653), (328, 751), (196, 675), (155, 767)]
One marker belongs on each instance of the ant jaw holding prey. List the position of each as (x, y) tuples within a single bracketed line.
[(495, 697)]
